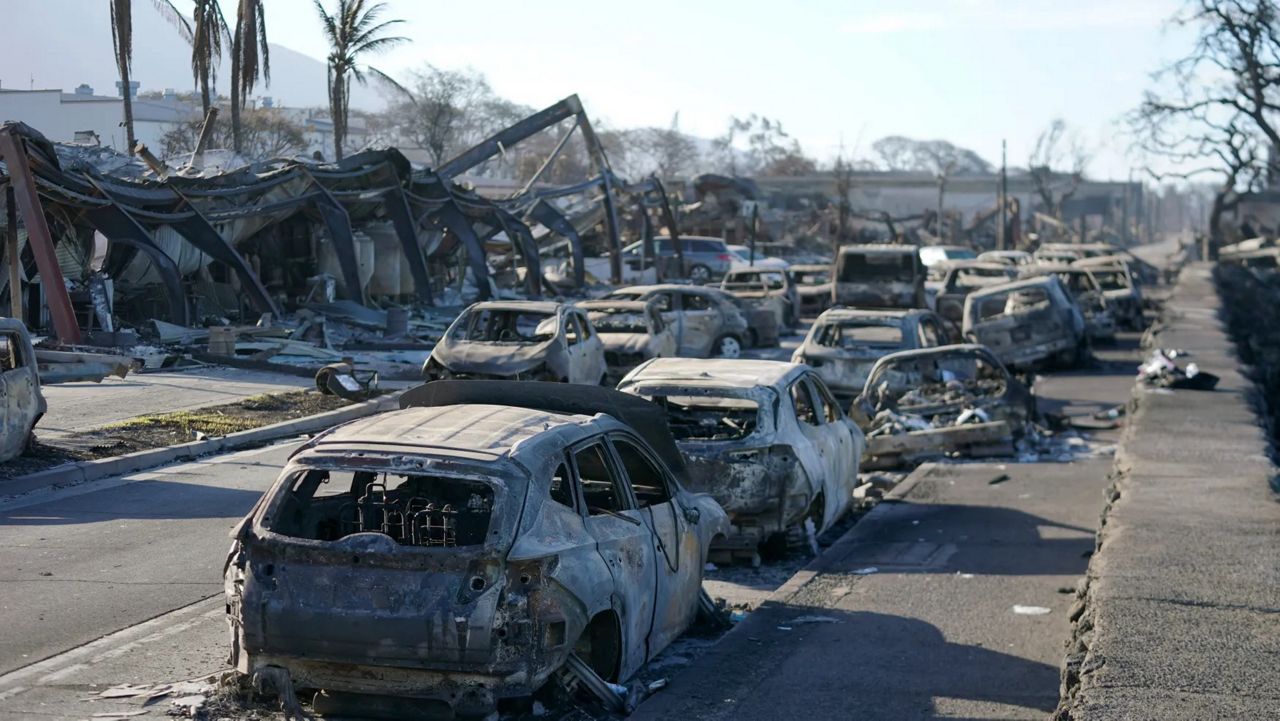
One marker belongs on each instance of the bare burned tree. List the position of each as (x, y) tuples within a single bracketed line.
[(1214, 110), (939, 157), (1056, 166)]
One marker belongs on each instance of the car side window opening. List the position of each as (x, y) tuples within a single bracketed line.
[(10, 353), (929, 333), (655, 318), (803, 402), (571, 333), (828, 409), (562, 487), (602, 490), (693, 301), (584, 325), (647, 481), (663, 302)]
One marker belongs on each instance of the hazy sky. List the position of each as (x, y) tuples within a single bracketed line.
[(970, 71)]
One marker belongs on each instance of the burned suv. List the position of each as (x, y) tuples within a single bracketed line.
[(519, 340), (1028, 322), (464, 550)]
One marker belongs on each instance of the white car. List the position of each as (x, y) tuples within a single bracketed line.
[(765, 438), (742, 259)]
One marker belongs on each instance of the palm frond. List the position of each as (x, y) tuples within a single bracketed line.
[(170, 12)]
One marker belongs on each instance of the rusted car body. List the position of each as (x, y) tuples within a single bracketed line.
[(24, 403), (707, 321), (770, 289), (765, 438), (954, 399), (1099, 321), (879, 276), (632, 332), (519, 340), (813, 288), (459, 551), (1027, 322), (844, 343), (1120, 287), (960, 278)]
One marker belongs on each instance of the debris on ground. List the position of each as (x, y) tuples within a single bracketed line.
[(1161, 371)]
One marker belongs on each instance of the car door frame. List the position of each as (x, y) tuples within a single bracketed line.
[(592, 365), (824, 456), (691, 325), (619, 541), (842, 430)]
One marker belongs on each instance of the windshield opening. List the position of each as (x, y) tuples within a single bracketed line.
[(856, 334), (414, 510), (493, 325), (615, 320), (877, 267), (710, 418)]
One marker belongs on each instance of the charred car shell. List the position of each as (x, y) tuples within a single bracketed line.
[(707, 321), (1027, 322), (765, 438), (519, 340), (879, 275), (632, 332), (488, 562), (844, 343), (813, 288), (23, 400), (1099, 321)]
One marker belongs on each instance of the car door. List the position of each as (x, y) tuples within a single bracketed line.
[(845, 436), (824, 454), (624, 541), (591, 365), (677, 553), (575, 348), (701, 325), (669, 307), (663, 335)]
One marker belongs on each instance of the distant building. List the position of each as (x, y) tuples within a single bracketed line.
[(83, 117)]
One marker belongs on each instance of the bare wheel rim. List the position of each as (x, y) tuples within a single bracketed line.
[(729, 347)]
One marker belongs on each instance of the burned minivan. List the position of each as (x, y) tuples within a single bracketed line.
[(519, 340), (1028, 322), (950, 400), (465, 548), (879, 275), (765, 438)]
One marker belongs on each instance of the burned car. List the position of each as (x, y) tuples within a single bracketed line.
[(1120, 287), (463, 549), (519, 340), (879, 275), (950, 400), (844, 343), (962, 277), (632, 332), (1008, 257), (1027, 322), (1099, 321), (813, 288), (765, 438), (707, 321), (770, 289), (24, 403)]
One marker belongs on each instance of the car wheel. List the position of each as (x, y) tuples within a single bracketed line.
[(700, 274), (727, 347)]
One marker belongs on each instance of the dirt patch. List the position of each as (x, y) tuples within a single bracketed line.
[(160, 430)]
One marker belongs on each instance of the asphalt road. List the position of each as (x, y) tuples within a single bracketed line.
[(119, 581), (75, 407)]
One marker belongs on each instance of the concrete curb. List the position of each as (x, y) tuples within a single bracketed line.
[(70, 474)]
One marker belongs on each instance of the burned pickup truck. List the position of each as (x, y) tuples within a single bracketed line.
[(879, 275), (931, 403), (463, 549), (765, 438), (519, 340), (1028, 323)]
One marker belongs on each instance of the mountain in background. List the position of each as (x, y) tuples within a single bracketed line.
[(47, 44)]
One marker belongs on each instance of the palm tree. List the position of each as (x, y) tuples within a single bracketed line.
[(122, 40), (249, 59), (353, 31), (205, 32)]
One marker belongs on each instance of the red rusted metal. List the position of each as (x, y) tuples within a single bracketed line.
[(39, 238)]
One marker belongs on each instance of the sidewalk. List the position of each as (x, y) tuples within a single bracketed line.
[(1183, 614), (932, 632)]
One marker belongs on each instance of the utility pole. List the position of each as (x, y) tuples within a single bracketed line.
[(1001, 239)]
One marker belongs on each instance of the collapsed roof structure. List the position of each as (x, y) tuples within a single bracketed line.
[(102, 237)]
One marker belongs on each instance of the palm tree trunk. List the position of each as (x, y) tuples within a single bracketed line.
[(205, 100), (337, 106), (235, 96)]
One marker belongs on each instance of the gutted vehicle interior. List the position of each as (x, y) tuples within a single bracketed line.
[(414, 510), (492, 325), (710, 418), (927, 385), (853, 334)]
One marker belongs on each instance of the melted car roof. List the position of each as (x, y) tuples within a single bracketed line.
[(737, 373), (477, 428)]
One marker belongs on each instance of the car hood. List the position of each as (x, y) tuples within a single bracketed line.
[(491, 358)]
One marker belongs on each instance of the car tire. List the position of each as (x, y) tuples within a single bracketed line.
[(700, 274), (727, 346)]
